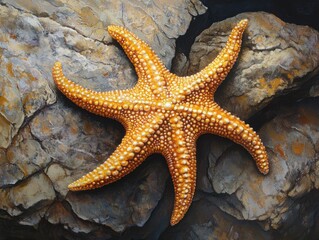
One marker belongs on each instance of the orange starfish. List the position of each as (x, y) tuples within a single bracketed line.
[(164, 114)]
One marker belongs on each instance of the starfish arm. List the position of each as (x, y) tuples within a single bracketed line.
[(106, 104), (148, 66), (220, 122), (208, 79), (181, 159), (136, 145)]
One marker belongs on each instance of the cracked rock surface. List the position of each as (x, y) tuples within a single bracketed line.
[(46, 142)]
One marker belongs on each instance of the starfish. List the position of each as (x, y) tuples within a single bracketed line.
[(164, 113)]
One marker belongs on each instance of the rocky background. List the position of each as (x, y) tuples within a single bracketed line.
[(46, 142)]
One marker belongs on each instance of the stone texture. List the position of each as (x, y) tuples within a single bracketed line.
[(46, 142), (58, 213), (32, 194), (23, 158), (159, 22), (292, 141), (207, 221), (276, 58)]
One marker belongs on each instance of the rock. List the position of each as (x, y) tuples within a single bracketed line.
[(276, 58), (46, 142), (28, 198), (158, 22), (206, 221), (24, 88), (10, 174), (26, 155), (59, 214), (292, 141)]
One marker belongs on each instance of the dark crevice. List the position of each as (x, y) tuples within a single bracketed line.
[(197, 25), (25, 178)]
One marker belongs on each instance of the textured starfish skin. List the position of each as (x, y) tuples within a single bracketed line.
[(164, 114)]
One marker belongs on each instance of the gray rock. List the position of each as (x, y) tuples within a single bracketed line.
[(10, 174), (276, 58), (59, 214), (26, 154), (158, 22), (31, 194), (206, 221), (292, 141)]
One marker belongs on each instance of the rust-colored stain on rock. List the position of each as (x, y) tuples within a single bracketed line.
[(10, 69), (27, 102), (30, 76), (44, 127), (13, 36), (279, 150), (3, 100), (10, 154), (280, 197), (87, 127), (297, 148), (74, 130), (272, 86)]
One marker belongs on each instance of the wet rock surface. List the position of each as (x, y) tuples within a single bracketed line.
[(46, 142)]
